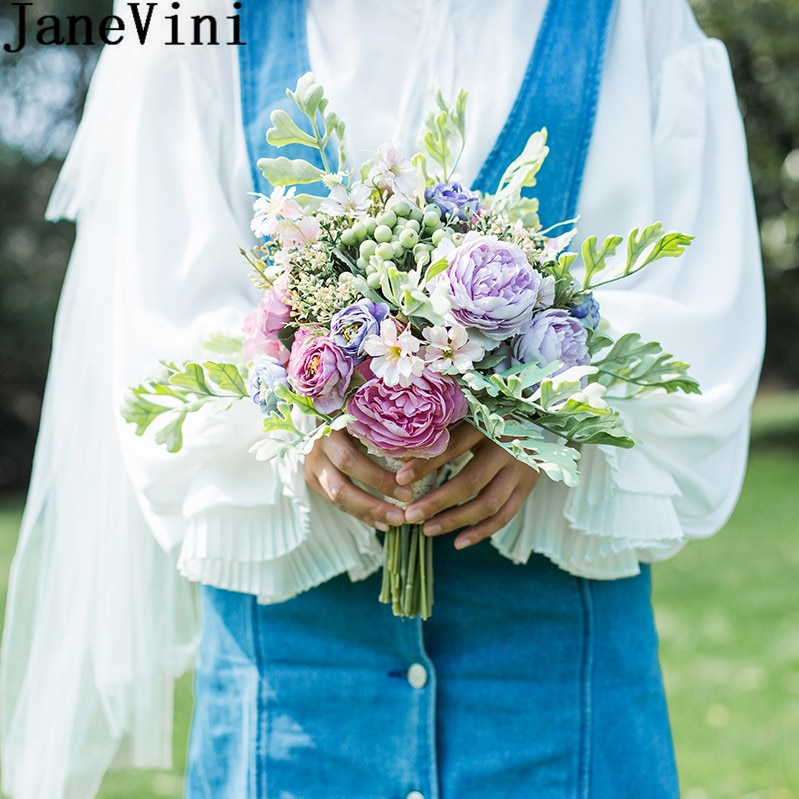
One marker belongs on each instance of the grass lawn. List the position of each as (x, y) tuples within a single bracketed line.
[(728, 615)]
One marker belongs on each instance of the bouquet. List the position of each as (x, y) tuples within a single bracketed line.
[(398, 302)]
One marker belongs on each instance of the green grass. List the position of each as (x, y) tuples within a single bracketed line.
[(728, 614)]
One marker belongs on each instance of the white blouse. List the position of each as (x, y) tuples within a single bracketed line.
[(158, 181)]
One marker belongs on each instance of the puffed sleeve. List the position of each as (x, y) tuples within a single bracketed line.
[(176, 195), (674, 152)]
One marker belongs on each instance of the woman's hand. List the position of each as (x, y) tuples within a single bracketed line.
[(483, 496), (331, 466)]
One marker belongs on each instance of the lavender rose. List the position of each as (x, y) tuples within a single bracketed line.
[(320, 370), (266, 374), (493, 287), (350, 326), (407, 421), (554, 335), (453, 200)]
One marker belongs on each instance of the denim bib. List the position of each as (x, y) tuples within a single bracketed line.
[(559, 91)]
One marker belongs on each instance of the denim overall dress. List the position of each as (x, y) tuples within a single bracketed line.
[(526, 681)]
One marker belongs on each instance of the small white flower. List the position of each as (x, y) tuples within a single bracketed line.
[(280, 204), (393, 171), (394, 358), (353, 203), (450, 350)]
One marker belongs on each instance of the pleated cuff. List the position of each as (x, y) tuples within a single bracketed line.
[(276, 552), (596, 529)]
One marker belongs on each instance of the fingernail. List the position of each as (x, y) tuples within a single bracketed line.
[(405, 477), (382, 526), (462, 543), (403, 494), (414, 516), (432, 529), (395, 518)]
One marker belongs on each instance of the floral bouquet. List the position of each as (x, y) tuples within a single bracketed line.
[(401, 302)]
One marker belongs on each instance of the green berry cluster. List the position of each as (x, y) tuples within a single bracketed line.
[(401, 236)]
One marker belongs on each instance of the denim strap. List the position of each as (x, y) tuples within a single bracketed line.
[(275, 56), (559, 91)]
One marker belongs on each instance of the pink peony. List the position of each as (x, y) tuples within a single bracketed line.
[(320, 370), (407, 421), (264, 323)]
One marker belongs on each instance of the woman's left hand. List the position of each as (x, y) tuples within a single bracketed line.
[(482, 497)]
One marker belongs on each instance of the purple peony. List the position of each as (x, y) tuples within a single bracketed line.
[(412, 421), (266, 374), (554, 335), (493, 287), (320, 370), (453, 200), (350, 326)]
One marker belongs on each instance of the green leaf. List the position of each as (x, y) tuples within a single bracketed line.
[(227, 377), (140, 411), (191, 377), (596, 260), (289, 171), (643, 366), (223, 345), (436, 269), (285, 131), (171, 436)]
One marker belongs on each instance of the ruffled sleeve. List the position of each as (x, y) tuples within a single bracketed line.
[(178, 199), (683, 477)]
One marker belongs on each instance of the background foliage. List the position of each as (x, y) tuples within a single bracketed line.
[(41, 95)]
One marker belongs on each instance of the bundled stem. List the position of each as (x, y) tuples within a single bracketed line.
[(408, 561), (408, 571)]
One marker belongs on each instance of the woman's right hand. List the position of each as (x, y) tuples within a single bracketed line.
[(332, 465)]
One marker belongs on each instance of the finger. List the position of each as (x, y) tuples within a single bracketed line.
[(484, 505), (468, 483), (463, 437), (342, 451), (332, 484), (490, 525)]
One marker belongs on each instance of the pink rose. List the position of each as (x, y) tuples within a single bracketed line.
[(320, 370), (407, 421), (264, 323)]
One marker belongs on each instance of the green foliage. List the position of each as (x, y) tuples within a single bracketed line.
[(636, 366), (326, 127), (444, 130), (643, 248), (521, 174), (181, 390), (283, 171)]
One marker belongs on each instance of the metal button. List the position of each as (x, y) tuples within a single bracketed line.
[(417, 677), (415, 795)]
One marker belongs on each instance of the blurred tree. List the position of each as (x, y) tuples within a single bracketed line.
[(761, 37), (41, 95)]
